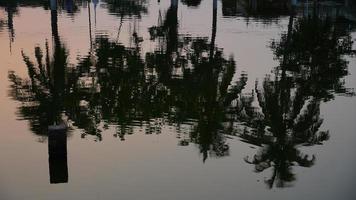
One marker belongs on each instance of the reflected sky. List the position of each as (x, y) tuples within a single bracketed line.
[(154, 94)]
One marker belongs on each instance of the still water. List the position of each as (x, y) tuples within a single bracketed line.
[(190, 99)]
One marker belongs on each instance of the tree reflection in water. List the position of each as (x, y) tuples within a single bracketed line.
[(164, 89), (118, 88), (285, 112), (188, 82)]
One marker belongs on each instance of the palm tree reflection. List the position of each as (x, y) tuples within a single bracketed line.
[(188, 82), (312, 65), (45, 99), (131, 94)]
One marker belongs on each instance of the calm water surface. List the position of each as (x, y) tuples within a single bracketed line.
[(190, 99)]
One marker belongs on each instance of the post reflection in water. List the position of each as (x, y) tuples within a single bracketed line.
[(188, 83), (57, 156)]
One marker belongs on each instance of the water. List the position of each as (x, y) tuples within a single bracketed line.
[(177, 99)]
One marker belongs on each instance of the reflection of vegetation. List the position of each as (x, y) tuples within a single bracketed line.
[(2, 24), (188, 82), (70, 6), (12, 10), (119, 74), (126, 7), (262, 9), (120, 89), (192, 3), (119, 7), (43, 95), (287, 120), (285, 113), (315, 51), (201, 88), (130, 93), (201, 91)]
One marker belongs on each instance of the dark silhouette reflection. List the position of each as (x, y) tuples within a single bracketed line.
[(11, 8), (279, 126), (126, 7), (2, 25), (69, 6), (47, 90), (191, 3), (229, 7), (57, 156), (131, 95), (188, 83), (263, 9), (45, 97), (201, 89), (285, 112), (267, 11)]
